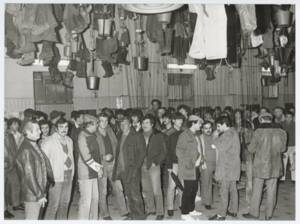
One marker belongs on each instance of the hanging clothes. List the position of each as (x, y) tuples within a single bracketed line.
[(263, 18), (210, 36), (247, 17), (233, 35), (181, 35)]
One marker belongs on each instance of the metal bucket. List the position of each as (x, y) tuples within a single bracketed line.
[(141, 63), (92, 82), (164, 17), (283, 18), (104, 27)]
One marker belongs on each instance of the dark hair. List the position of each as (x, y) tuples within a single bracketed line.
[(264, 108), (185, 107), (289, 113), (190, 123), (167, 115), (29, 113), (61, 120), (43, 122), (171, 110), (13, 120), (278, 108), (119, 112), (150, 117), (224, 120), (103, 115), (207, 122), (108, 111), (28, 125), (137, 113), (125, 118), (39, 114), (157, 101), (177, 116), (76, 114)]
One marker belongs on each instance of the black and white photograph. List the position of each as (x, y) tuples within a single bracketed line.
[(158, 110)]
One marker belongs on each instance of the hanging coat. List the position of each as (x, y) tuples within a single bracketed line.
[(210, 35), (247, 17)]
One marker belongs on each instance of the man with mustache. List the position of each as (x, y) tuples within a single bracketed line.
[(59, 150)]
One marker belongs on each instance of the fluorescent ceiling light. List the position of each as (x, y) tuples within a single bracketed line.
[(185, 66), (61, 62)]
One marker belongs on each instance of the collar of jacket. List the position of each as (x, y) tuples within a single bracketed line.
[(86, 131), (269, 125)]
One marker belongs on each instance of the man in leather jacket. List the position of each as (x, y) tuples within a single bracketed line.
[(35, 171)]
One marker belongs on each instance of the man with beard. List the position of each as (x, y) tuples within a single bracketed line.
[(59, 150), (129, 159), (209, 165)]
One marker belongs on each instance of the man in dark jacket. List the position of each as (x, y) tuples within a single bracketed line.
[(171, 160), (267, 144), (130, 155), (228, 166), (35, 170), (151, 169)]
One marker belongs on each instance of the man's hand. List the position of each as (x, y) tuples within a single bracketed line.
[(42, 202), (153, 165), (197, 163), (108, 157), (100, 172), (215, 134)]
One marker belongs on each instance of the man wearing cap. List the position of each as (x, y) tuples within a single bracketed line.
[(267, 145), (54, 117), (89, 169), (188, 152), (228, 166), (107, 144), (130, 155)]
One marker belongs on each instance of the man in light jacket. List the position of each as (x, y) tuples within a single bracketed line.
[(59, 149), (228, 167), (188, 152), (268, 144), (89, 169)]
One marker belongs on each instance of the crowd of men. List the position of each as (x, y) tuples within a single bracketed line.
[(148, 161)]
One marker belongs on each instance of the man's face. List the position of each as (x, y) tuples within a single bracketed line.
[(278, 113), (289, 118), (178, 123), (45, 129), (79, 120), (262, 111), (93, 127), (183, 112), (103, 122), (155, 106), (135, 121), (14, 126), (35, 132), (120, 117), (207, 129), (146, 125), (125, 126), (221, 127), (198, 125), (62, 129), (166, 120), (160, 113), (207, 116)]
